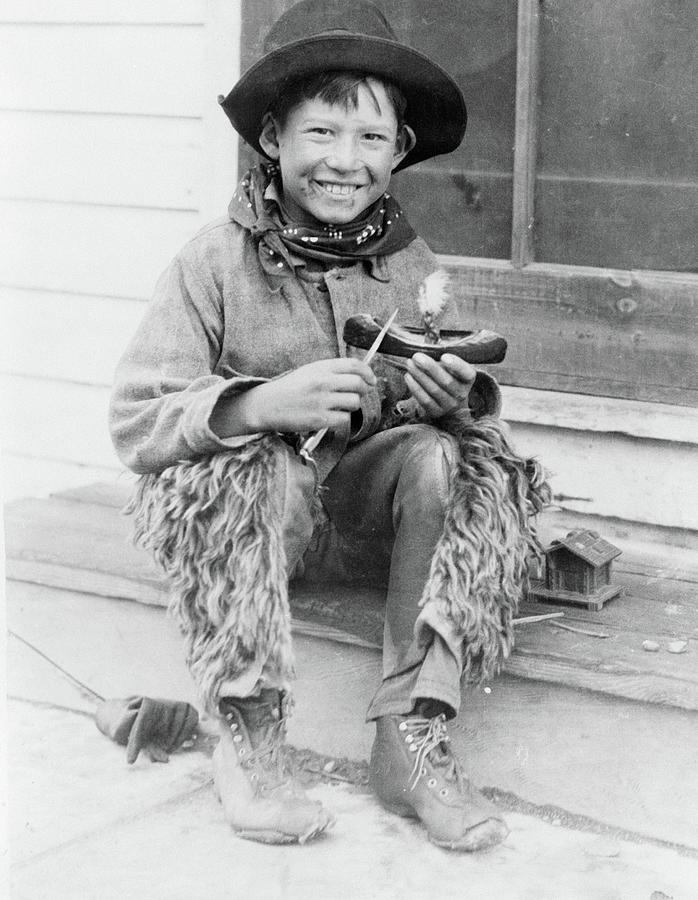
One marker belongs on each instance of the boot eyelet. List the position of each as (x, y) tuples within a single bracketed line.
[(254, 776), (237, 738), (229, 717), (402, 726), (409, 738), (443, 792), (413, 748), (432, 782), (423, 772), (233, 726), (242, 751)]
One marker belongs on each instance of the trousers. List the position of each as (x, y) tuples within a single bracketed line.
[(383, 508)]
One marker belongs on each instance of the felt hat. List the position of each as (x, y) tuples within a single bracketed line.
[(336, 35)]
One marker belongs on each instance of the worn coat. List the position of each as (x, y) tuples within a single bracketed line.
[(218, 324)]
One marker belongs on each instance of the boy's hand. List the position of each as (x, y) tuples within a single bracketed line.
[(318, 395), (439, 387)]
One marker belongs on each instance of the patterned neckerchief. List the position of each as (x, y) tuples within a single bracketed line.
[(284, 245)]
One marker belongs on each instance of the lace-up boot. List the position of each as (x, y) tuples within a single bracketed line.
[(261, 801), (414, 773)]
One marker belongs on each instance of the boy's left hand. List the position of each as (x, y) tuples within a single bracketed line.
[(439, 386)]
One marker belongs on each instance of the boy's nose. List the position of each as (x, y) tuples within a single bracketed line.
[(343, 156)]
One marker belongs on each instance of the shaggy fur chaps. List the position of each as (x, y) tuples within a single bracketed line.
[(214, 527), (479, 568)]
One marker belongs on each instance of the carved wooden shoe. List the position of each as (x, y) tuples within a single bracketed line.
[(414, 773), (260, 800), (476, 347)]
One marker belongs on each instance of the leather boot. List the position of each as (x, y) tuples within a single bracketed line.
[(261, 801), (414, 773)]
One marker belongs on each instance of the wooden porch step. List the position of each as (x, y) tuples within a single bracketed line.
[(79, 540)]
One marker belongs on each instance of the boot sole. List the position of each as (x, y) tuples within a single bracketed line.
[(488, 838)]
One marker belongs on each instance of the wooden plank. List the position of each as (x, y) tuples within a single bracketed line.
[(92, 331), (148, 70), (92, 250), (143, 161), (644, 688), (101, 11), (525, 134), (594, 331), (613, 475), (56, 420), (659, 421)]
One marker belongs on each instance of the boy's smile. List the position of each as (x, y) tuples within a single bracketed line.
[(336, 162)]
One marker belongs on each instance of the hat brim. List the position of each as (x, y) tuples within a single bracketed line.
[(435, 106)]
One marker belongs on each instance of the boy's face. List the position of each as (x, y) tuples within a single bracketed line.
[(336, 161)]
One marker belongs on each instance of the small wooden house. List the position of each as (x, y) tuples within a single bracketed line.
[(578, 570)]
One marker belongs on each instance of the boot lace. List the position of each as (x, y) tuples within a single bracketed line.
[(424, 736), (267, 758)]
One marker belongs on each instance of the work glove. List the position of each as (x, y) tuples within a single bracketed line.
[(140, 723)]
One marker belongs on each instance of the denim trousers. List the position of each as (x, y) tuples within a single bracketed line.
[(383, 508)]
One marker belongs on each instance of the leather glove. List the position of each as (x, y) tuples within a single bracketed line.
[(140, 723)]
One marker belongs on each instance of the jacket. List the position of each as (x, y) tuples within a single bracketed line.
[(218, 325)]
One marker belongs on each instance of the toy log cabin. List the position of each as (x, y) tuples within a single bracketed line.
[(578, 570)]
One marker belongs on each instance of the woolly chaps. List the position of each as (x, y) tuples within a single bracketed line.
[(214, 527), (480, 566)]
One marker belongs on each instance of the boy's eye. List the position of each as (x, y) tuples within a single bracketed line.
[(373, 137), (318, 129)]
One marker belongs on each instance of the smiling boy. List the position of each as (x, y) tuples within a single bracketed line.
[(240, 356)]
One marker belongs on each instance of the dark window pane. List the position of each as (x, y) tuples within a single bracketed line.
[(461, 203), (618, 167)]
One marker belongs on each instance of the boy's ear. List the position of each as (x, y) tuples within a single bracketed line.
[(268, 139), (405, 141)]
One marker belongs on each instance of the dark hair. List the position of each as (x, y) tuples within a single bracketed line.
[(334, 88)]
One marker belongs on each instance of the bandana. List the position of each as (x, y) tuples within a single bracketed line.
[(284, 245)]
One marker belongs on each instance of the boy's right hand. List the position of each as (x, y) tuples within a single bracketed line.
[(318, 395)]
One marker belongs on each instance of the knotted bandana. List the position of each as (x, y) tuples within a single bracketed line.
[(284, 245)]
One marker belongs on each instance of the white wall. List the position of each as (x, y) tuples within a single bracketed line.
[(118, 153)]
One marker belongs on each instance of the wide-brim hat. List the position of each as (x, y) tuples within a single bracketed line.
[(336, 35)]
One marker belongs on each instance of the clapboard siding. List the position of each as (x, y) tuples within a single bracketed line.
[(103, 159), (90, 250), (65, 337), (119, 154), (653, 482), (56, 420), (160, 12), (145, 70)]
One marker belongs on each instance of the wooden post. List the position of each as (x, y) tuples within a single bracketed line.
[(525, 132)]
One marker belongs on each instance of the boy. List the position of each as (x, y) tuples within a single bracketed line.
[(240, 358)]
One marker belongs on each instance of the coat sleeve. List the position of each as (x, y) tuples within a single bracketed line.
[(165, 389)]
